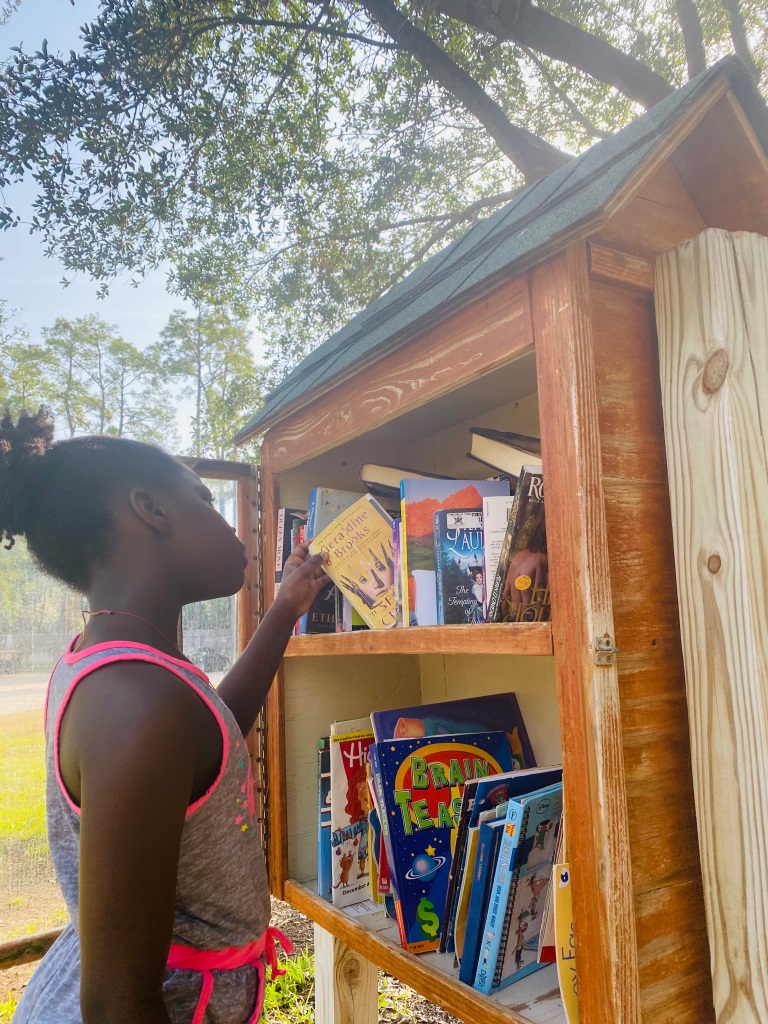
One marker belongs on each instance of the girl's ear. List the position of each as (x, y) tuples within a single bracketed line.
[(148, 509)]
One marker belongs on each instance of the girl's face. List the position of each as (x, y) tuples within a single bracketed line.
[(208, 558)]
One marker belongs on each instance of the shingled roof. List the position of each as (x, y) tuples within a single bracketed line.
[(514, 238)]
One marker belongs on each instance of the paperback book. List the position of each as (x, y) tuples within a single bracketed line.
[(419, 784), (495, 518), (286, 519), (459, 566), (350, 803), (324, 850)]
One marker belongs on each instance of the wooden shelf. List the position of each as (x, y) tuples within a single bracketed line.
[(534, 1000), (488, 638)]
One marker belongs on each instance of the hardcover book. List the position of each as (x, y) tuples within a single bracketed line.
[(324, 852), (419, 784), (350, 804), (361, 560), (384, 481), (521, 586), (419, 500), (489, 840), (504, 450), (459, 566)]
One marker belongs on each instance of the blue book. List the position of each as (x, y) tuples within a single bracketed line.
[(324, 853), (509, 940), (482, 877), (418, 784), (459, 562)]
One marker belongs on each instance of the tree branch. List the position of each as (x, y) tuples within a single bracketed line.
[(532, 155), (562, 95), (739, 36), (693, 37), (519, 21)]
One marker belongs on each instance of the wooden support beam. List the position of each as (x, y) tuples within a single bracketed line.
[(620, 267), (346, 983), (712, 319)]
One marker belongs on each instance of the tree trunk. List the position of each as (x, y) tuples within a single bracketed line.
[(693, 37)]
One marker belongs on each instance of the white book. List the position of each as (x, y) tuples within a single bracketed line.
[(495, 518)]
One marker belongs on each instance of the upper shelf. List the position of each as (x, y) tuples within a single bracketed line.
[(486, 638)]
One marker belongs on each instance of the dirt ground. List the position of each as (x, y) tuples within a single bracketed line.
[(298, 929)]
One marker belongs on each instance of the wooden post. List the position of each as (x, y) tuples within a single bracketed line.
[(712, 316), (346, 984)]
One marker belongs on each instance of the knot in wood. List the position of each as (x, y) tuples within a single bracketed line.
[(713, 564), (715, 369)]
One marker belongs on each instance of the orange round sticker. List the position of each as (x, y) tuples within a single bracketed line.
[(523, 582)]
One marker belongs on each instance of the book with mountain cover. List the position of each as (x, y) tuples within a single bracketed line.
[(358, 544), (504, 450)]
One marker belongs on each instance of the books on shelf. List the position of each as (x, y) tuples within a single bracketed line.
[(520, 591), (350, 742), (358, 543), (504, 450), (459, 566), (496, 511), (419, 501), (565, 941), (287, 518), (384, 481), (324, 850)]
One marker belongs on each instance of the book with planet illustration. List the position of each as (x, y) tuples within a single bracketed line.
[(419, 781)]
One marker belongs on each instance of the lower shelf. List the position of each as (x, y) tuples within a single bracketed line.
[(534, 1000)]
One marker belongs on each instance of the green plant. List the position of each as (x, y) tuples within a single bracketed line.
[(7, 1009), (290, 999)]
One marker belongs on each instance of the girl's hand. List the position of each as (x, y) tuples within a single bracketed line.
[(303, 578)]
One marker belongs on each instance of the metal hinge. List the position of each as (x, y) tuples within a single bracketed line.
[(605, 650)]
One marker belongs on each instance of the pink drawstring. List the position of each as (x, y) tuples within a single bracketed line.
[(186, 958)]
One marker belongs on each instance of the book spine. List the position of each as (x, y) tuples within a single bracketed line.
[(311, 515), (324, 872), (386, 835), (497, 903), (406, 604), (484, 866), (454, 874), (439, 575), (514, 876), (494, 601)]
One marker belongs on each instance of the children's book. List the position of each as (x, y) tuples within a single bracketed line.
[(465, 880), (325, 503), (510, 936), (521, 585), (488, 843), (350, 804), (495, 518), (458, 535), (565, 941), (470, 714), (419, 784), (358, 544), (419, 500), (286, 518), (324, 853), (374, 839), (547, 951)]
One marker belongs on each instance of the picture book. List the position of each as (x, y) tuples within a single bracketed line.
[(470, 714), (503, 449), (325, 503), (324, 853), (521, 586), (488, 843), (374, 839), (547, 952), (419, 500), (360, 560), (350, 804), (565, 941), (509, 945), (384, 481), (286, 517), (458, 536), (496, 511), (419, 783), (465, 881)]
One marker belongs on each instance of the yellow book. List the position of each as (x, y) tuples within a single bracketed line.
[(564, 941), (361, 560)]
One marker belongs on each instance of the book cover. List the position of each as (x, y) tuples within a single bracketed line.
[(509, 946), (374, 839), (324, 852), (521, 586), (565, 941), (419, 500), (458, 535), (465, 882), (286, 519), (325, 504), (547, 953), (419, 782), (349, 811), (503, 449), (495, 518), (396, 534), (470, 714), (360, 560), (489, 840)]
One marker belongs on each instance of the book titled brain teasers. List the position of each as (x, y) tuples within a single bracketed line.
[(361, 560), (419, 784)]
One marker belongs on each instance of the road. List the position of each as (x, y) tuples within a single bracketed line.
[(22, 692)]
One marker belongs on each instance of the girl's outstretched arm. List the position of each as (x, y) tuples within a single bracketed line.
[(244, 688), (137, 745)]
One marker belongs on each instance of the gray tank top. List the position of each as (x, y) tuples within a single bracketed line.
[(222, 898)]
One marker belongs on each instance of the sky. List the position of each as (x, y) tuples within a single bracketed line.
[(30, 282)]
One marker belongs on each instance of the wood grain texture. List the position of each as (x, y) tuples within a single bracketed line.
[(524, 638), (346, 984), (598, 830), (486, 334), (27, 950), (611, 265), (657, 769), (712, 316)]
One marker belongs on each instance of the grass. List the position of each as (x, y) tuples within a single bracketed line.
[(22, 779), (7, 1008)]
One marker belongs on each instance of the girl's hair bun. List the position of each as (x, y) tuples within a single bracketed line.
[(22, 445)]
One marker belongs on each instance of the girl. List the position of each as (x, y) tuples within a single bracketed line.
[(149, 791)]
